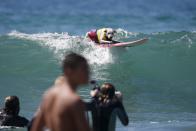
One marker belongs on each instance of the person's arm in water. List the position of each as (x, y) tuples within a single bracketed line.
[(122, 114), (120, 108)]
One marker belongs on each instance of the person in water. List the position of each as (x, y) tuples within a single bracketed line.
[(102, 36), (104, 103), (62, 109), (9, 115)]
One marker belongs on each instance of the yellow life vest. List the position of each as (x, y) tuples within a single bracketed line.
[(101, 31)]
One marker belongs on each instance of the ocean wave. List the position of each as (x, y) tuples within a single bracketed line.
[(60, 43), (172, 47)]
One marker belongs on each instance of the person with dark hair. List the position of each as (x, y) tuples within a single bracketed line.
[(61, 108), (106, 102), (9, 114)]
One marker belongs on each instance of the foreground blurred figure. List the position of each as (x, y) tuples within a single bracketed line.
[(61, 108), (9, 114)]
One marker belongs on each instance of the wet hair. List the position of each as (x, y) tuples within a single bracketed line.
[(73, 61), (107, 93), (12, 105)]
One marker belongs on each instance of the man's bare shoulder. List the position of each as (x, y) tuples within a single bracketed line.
[(49, 94), (53, 91)]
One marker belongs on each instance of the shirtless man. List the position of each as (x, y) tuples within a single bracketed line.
[(62, 109)]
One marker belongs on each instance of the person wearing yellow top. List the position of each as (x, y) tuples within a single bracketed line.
[(102, 36)]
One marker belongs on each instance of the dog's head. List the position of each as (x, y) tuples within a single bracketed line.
[(110, 33)]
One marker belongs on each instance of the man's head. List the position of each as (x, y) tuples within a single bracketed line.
[(12, 105), (76, 69), (110, 33)]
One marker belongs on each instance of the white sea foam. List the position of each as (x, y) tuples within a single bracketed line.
[(154, 122), (121, 33), (60, 43), (186, 38)]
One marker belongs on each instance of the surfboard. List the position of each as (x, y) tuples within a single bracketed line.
[(125, 44)]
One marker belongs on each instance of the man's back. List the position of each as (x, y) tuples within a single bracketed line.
[(61, 109), (60, 106)]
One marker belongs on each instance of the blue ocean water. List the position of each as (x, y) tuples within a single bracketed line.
[(157, 79)]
